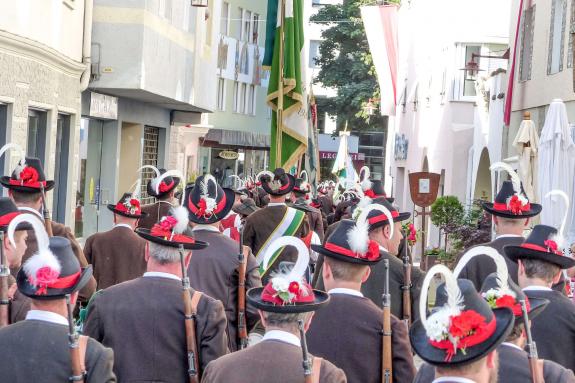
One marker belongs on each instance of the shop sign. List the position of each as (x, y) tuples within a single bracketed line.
[(401, 147), (103, 106), (333, 155), (228, 155)]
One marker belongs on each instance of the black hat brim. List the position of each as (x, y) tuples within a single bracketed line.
[(152, 192), (197, 245), (28, 290), (517, 252), (390, 200), (344, 258), (112, 208), (230, 200), (5, 181), (401, 217), (254, 296), (291, 184), (245, 210), (534, 211), (420, 342)]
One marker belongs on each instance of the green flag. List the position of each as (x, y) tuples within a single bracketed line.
[(294, 129)]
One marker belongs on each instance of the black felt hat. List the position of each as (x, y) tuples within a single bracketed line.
[(511, 204), (128, 207), (39, 277), (166, 185), (246, 207), (28, 178), (301, 186), (540, 245), (339, 246), (207, 202), (377, 190), (484, 329), (277, 183), (9, 211), (490, 291), (377, 219)]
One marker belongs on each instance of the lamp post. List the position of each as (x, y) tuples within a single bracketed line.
[(472, 67)]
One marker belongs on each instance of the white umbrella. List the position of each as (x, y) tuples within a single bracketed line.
[(527, 145), (556, 163)]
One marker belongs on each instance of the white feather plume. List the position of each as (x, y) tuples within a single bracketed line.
[(265, 172), (43, 256), (358, 236), (501, 265), (454, 296), (170, 173), (155, 169), (301, 175), (181, 215), (498, 166), (302, 262), (22, 161), (205, 186), (560, 238), (364, 174), (137, 189)]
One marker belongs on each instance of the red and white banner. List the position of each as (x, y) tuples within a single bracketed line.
[(380, 22)]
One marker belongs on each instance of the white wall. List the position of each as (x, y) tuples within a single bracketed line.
[(57, 24)]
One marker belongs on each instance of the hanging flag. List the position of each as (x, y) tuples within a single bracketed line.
[(294, 124), (312, 154), (271, 26), (343, 165)]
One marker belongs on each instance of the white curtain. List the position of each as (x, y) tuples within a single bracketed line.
[(527, 145)]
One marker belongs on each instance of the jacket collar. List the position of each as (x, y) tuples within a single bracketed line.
[(282, 336)]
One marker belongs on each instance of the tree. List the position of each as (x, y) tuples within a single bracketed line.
[(346, 64)]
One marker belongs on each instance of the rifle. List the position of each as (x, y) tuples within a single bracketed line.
[(536, 373), (190, 323), (77, 373), (307, 370), (242, 326), (4, 275), (406, 288), (386, 359), (46, 213)]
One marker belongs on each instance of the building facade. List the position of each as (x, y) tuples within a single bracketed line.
[(44, 67), (152, 68)]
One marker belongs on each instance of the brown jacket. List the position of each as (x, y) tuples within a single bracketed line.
[(142, 320), (60, 230), (19, 307), (213, 271), (269, 361), (347, 332), (155, 211), (260, 225), (314, 218), (116, 255)]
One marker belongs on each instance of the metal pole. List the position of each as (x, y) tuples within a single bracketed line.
[(280, 113)]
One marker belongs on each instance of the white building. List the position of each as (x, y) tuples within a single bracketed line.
[(442, 124)]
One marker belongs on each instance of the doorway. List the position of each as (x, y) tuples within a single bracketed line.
[(61, 168)]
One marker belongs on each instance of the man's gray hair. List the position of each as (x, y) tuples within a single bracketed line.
[(285, 321), (164, 254)]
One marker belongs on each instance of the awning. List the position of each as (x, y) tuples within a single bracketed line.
[(236, 139)]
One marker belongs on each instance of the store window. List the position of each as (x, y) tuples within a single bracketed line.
[(556, 36), (62, 160), (221, 105), (149, 157), (37, 124), (468, 85), (527, 30), (251, 100), (314, 53)]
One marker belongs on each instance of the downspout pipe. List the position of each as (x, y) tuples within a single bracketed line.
[(87, 44)]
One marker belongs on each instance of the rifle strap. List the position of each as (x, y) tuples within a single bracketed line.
[(316, 369), (82, 347)]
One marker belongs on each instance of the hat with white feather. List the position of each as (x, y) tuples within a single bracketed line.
[(461, 328), (511, 200), (163, 182), (302, 186), (28, 176), (287, 291), (207, 202), (53, 271), (498, 288), (129, 205), (276, 183), (377, 218)]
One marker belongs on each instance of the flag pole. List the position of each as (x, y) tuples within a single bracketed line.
[(279, 130)]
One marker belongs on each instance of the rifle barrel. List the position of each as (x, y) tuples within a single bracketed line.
[(4, 275), (307, 370)]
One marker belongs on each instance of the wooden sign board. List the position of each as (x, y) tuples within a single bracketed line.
[(424, 187)]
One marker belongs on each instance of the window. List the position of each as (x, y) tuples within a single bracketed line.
[(149, 157), (236, 97), (36, 146), (243, 97), (61, 168), (246, 25), (313, 53), (469, 86), (251, 100), (240, 24), (225, 19), (556, 36), (571, 32), (527, 30), (317, 3), (255, 28), (221, 100)]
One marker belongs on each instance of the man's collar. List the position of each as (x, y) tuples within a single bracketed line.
[(123, 225), (159, 274), (381, 248), (276, 204), (46, 316), (343, 290), (537, 288), (205, 228), (508, 236), (512, 345), (30, 210), (282, 336), (453, 379)]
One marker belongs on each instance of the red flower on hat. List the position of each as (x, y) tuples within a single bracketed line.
[(369, 193), (202, 206), (29, 175), (164, 187), (505, 301), (552, 246), (466, 323), (135, 203), (294, 288), (518, 205), (44, 277), (168, 223), (372, 251)]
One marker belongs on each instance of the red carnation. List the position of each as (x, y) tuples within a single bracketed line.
[(29, 175), (515, 205), (465, 323), (372, 251), (202, 206), (135, 203), (505, 301), (164, 187), (294, 288), (46, 275), (369, 193), (551, 245), (168, 223)]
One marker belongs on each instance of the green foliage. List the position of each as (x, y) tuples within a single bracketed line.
[(346, 65), (447, 212)]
